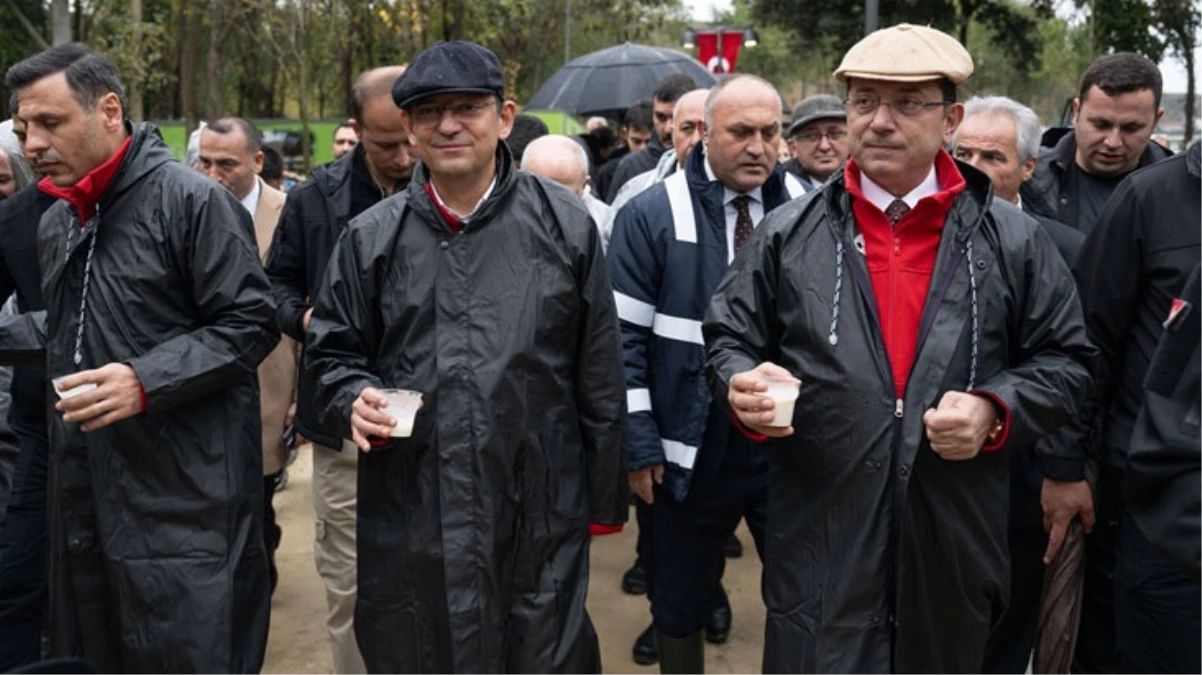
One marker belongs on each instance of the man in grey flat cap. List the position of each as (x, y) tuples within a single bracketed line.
[(485, 290), (817, 140), (930, 326)]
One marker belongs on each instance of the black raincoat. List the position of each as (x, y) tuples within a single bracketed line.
[(880, 555), (473, 534), (156, 556)]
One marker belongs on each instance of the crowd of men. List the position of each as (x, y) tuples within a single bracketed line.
[(993, 343)]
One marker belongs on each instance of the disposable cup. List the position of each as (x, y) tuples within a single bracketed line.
[(76, 391), (783, 392), (402, 407)]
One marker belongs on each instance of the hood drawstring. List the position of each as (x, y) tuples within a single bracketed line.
[(976, 332), (834, 336), (87, 277)]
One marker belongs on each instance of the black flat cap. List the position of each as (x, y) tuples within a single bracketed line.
[(449, 67)]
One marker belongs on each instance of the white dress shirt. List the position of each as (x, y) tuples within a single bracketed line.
[(755, 206), (465, 219), (880, 197), (251, 200)]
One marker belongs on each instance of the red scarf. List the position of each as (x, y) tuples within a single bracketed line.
[(87, 191), (450, 218)]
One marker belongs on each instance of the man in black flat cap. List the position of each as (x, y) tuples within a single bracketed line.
[(486, 290)]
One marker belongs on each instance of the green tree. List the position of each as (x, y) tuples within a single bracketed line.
[(1179, 21)]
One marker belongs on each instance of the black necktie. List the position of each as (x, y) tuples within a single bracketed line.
[(743, 226), (895, 211)]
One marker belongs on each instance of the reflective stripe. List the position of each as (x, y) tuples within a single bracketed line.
[(634, 311), (793, 186), (676, 328), (678, 453), (681, 204), (638, 400)]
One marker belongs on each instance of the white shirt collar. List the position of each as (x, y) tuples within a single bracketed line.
[(251, 200), (728, 195), (466, 218), (881, 198)]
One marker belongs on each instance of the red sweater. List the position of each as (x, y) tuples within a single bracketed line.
[(901, 261)]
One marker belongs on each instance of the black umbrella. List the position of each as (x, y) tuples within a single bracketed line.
[(608, 81)]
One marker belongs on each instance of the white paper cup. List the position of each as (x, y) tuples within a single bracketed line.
[(81, 389), (402, 407), (783, 393)]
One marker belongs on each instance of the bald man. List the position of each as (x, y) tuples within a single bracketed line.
[(563, 160), (671, 246)]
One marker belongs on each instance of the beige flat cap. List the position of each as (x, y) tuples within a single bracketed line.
[(906, 53)]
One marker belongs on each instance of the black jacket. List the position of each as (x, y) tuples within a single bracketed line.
[(634, 164), (603, 176), (473, 533), (25, 386), (1067, 240), (794, 167), (881, 556), (1051, 190), (156, 554), (1131, 266), (1165, 461), (314, 216), (19, 273)]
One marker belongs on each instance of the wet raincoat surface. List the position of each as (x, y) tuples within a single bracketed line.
[(156, 555), (880, 555), (473, 533)]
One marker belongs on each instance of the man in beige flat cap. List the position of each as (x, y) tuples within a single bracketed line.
[(930, 326)]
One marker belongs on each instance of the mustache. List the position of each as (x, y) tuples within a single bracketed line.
[(44, 157)]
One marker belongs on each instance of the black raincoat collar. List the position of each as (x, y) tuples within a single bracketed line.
[(146, 152), (506, 178)]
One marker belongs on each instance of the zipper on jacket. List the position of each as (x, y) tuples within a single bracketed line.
[(899, 408)]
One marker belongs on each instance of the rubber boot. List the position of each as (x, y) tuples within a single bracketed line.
[(681, 655)]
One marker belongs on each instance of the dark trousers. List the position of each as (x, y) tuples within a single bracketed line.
[(1157, 608), (1096, 639), (1010, 645), (271, 530), (23, 554), (688, 539)]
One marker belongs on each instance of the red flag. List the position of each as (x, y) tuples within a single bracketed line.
[(707, 50)]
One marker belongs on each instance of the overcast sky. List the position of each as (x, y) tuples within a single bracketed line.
[(1172, 70)]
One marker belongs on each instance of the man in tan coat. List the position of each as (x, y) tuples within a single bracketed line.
[(231, 154)]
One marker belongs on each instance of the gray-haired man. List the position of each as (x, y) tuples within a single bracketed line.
[(1000, 137)]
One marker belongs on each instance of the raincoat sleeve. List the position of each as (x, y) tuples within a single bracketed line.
[(738, 328), (636, 271), (1050, 353), (233, 304), (287, 271), (343, 332), (23, 339), (1163, 461), (1108, 273), (599, 388)]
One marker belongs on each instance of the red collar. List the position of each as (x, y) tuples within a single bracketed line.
[(951, 182), (86, 192)]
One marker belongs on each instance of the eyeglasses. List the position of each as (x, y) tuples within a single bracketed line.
[(816, 135), (430, 114), (864, 104)]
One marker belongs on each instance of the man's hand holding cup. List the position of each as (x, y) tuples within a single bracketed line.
[(763, 399)]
